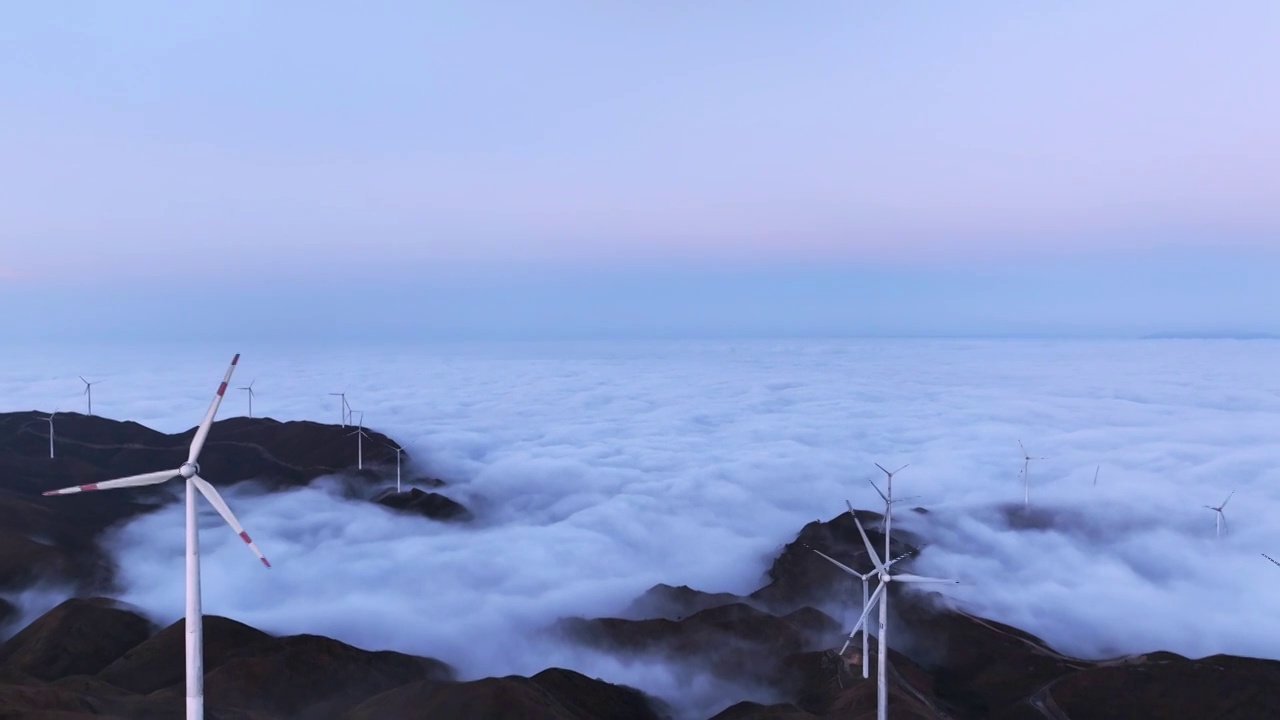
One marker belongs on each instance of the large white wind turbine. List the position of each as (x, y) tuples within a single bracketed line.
[(864, 577), (1026, 482), (88, 391), (881, 596), (1220, 522), (50, 421), (360, 436), (249, 387), (190, 471), (346, 409)]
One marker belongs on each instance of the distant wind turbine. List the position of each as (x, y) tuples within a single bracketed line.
[(190, 471), (360, 436), (887, 496), (249, 387), (88, 391), (1220, 522), (1026, 481), (398, 450), (50, 420), (346, 409)]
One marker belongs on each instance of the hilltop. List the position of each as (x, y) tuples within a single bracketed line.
[(55, 537)]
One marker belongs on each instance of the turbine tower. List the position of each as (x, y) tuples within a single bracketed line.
[(1026, 482), (88, 391), (346, 409), (50, 421), (249, 387), (360, 436), (398, 450), (882, 597), (190, 472), (1220, 522)]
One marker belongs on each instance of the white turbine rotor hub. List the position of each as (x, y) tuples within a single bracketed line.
[(189, 469)]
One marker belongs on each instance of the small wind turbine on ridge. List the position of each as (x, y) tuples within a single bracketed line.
[(1220, 522), (346, 409), (1026, 481), (50, 421), (398, 450), (888, 501), (190, 472), (249, 387), (360, 436), (88, 391)]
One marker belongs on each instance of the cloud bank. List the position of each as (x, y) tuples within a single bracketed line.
[(598, 470)]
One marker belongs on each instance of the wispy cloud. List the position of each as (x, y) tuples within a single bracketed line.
[(598, 470)]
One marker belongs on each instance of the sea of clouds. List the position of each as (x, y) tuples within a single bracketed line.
[(599, 469)]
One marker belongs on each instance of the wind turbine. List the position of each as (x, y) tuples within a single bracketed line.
[(1026, 482), (1221, 521), (88, 391), (398, 450), (50, 420), (864, 577), (360, 436), (346, 409), (249, 387), (888, 501), (190, 471), (882, 597)]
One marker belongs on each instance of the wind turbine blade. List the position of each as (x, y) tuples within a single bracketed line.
[(151, 478), (908, 577), (1270, 558), (875, 559), (220, 505), (1224, 502), (202, 432), (837, 563), (904, 467), (886, 472), (1024, 449), (903, 556), (877, 487)]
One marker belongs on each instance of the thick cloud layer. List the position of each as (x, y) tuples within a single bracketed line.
[(598, 470)]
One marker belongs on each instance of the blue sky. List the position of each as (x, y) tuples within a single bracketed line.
[(574, 168)]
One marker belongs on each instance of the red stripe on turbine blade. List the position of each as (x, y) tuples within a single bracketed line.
[(264, 562), (245, 537), (90, 486), (235, 359), (221, 389)]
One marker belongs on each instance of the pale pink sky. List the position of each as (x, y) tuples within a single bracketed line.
[(285, 143)]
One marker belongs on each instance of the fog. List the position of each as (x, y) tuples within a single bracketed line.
[(598, 470)]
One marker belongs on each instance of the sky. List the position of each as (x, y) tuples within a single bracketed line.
[(314, 170), (596, 470)]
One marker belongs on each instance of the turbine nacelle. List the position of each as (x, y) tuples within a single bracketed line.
[(189, 470)]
